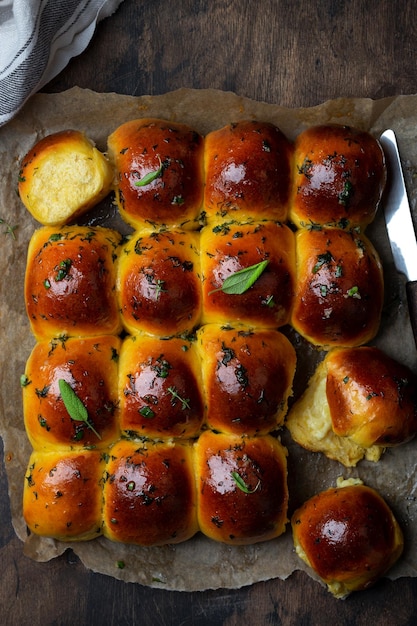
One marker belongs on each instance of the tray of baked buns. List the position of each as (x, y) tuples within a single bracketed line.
[(217, 380)]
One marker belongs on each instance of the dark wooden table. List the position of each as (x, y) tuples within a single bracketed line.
[(279, 51)]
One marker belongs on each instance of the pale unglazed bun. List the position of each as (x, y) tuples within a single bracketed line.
[(358, 402), (159, 173), (247, 172), (338, 179), (339, 289), (241, 486), (348, 535), (62, 177)]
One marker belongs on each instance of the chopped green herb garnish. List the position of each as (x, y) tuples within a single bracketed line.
[(63, 269), (185, 402), (322, 259), (24, 381), (353, 292), (147, 412), (10, 230), (346, 194)]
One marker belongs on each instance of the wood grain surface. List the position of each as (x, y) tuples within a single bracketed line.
[(296, 54)]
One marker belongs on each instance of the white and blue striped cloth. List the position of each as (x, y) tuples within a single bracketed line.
[(37, 39)]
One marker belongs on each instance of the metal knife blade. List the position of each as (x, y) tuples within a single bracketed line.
[(399, 223)]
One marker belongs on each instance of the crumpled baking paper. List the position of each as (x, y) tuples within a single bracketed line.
[(199, 563)]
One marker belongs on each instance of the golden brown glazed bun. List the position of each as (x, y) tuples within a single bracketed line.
[(62, 494), (230, 247), (149, 494), (70, 282), (372, 398), (171, 155), (62, 177), (358, 402), (339, 177), (159, 284), (340, 288), (89, 366), (257, 509), (160, 387), (247, 377), (349, 536), (247, 172)]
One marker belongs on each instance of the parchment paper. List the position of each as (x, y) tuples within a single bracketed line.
[(199, 563)]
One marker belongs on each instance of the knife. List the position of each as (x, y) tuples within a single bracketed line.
[(399, 223)]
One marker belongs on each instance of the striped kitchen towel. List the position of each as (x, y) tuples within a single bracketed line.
[(37, 39)]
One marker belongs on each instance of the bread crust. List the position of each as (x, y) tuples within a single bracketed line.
[(149, 493), (229, 247), (70, 282), (247, 378), (338, 178), (247, 172), (340, 288), (349, 536), (89, 366), (228, 514), (160, 388), (171, 154), (62, 494)]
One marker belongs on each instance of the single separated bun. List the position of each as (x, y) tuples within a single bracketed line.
[(358, 402), (62, 177), (348, 535)]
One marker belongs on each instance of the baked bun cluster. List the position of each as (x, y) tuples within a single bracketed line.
[(358, 402), (161, 372), (125, 373), (338, 179), (348, 535)]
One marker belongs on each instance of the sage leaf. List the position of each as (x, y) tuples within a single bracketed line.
[(76, 409), (242, 280)]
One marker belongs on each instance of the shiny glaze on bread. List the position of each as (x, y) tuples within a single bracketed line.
[(159, 167), (247, 377), (242, 487), (247, 172), (340, 288), (348, 535), (338, 179)]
